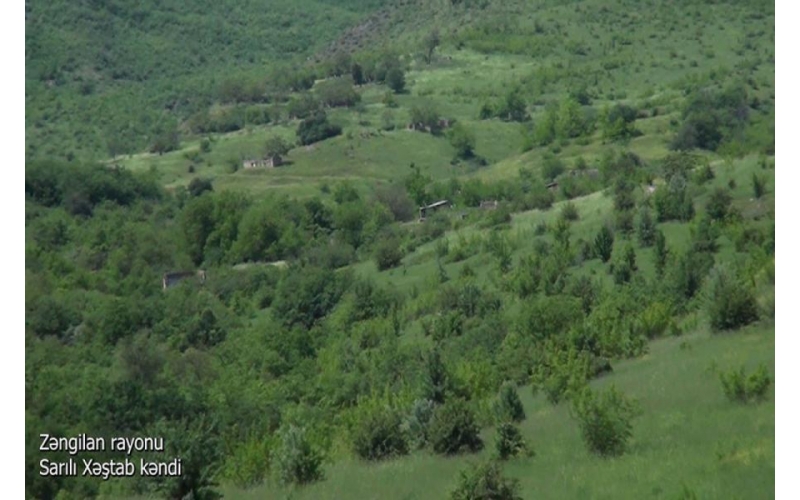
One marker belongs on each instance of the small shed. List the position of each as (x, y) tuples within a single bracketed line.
[(591, 173), (433, 207), (173, 278), (489, 205), (552, 186), (270, 162)]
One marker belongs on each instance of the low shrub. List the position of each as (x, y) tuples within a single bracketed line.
[(604, 244), (569, 212), (561, 374), (732, 303), (507, 406), (742, 388), (248, 464), (605, 420), (759, 185), (485, 482), (296, 461), (388, 254), (454, 428), (510, 443), (418, 422), (378, 434)]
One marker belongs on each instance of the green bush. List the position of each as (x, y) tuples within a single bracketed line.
[(389, 100), (741, 388), (655, 320), (275, 146), (552, 168), (623, 222), (396, 80), (507, 406), (447, 325), (338, 92), (388, 254), (453, 428), (646, 229), (569, 212), (672, 202), (418, 422), (759, 186), (625, 265), (604, 243), (426, 117), (200, 449), (660, 253), (378, 433), (561, 373), (316, 128), (732, 301), (719, 204), (199, 186), (485, 482), (303, 106), (618, 122), (550, 316), (605, 420), (463, 140), (247, 466), (712, 118), (296, 461), (486, 112), (512, 108), (47, 315), (497, 217), (704, 174), (509, 442)]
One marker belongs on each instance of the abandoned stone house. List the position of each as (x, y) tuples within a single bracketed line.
[(171, 279), (489, 205), (591, 173), (433, 207), (444, 123), (271, 162)]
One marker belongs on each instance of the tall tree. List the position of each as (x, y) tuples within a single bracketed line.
[(396, 80), (604, 243), (431, 41)]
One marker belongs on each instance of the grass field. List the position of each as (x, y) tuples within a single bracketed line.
[(688, 435)]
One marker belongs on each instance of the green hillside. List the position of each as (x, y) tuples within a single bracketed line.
[(113, 75), (597, 294), (686, 445)]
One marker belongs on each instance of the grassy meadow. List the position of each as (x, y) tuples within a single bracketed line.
[(688, 439)]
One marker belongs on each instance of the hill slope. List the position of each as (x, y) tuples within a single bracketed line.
[(690, 438), (102, 71), (610, 170)]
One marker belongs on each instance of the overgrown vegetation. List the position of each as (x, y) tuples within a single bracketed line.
[(635, 206), (605, 420), (485, 481), (742, 388)]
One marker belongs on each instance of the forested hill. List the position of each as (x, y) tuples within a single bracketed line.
[(590, 316), (105, 78), (96, 69), (97, 41)]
